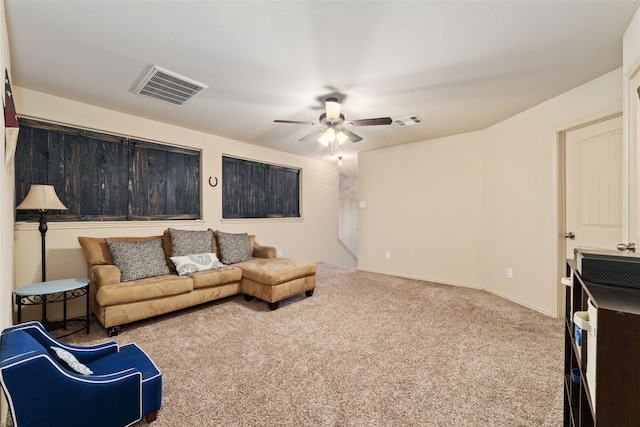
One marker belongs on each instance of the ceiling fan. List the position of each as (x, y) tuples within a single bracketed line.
[(334, 132)]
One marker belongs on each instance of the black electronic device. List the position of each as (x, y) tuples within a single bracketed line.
[(608, 267)]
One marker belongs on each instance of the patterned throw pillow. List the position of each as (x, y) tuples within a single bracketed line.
[(70, 362), (233, 247), (195, 262), (187, 242), (137, 260)]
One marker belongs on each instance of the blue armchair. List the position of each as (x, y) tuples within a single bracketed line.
[(43, 389)]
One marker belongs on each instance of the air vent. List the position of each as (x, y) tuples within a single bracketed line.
[(408, 121), (167, 86)]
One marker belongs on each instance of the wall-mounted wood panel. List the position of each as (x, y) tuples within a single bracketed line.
[(106, 177), (259, 190)]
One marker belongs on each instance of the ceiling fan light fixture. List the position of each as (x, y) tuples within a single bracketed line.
[(330, 134), (333, 109), (323, 140), (342, 138)]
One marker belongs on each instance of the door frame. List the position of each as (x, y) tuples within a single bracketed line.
[(562, 181)]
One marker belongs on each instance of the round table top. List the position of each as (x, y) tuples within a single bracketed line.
[(51, 287)]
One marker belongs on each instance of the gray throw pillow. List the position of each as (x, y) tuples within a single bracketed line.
[(137, 260), (233, 247), (188, 242), (69, 361)]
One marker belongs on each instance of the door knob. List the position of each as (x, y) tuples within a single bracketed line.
[(570, 235), (631, 247)]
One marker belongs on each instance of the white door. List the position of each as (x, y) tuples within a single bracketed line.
[(634, 161), (593, 193)]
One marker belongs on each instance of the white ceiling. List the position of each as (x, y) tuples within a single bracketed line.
[(460, 66)]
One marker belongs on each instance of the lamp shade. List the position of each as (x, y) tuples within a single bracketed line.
[(41, 197)]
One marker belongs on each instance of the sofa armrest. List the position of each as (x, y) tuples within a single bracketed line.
[(105, 275), (260, 251)]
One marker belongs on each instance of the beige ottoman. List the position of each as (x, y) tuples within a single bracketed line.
[(274, 279)]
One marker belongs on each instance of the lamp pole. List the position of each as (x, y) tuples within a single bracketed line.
[(43, 231)]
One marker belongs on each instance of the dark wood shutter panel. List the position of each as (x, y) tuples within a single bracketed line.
[(106, 177), (259, 190)]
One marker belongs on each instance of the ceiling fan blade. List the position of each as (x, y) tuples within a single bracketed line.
[(295, 122), (352, 136), (371, 122), (312, 135)]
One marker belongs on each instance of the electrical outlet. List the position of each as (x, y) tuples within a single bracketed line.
[(510, 273), (387, 255), (279, 252)]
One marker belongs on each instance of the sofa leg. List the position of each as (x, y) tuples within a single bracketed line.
[(247, 297), (309, 292), (113, 331), (151, 417), (273, 305)]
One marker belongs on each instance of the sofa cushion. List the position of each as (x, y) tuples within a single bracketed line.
[(195, 262), (273, 271), (234, 247), (217, 277), (144, 289), (187, 242), (137, 260)]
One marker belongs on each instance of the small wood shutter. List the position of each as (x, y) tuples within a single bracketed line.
[(259, 190)]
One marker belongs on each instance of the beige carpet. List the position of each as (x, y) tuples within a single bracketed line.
[(364, 350)]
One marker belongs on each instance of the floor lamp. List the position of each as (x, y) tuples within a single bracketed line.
[(42, 198)]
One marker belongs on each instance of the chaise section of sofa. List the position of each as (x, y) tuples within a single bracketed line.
[(273, 280)]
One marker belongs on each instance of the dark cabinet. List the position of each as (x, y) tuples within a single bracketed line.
[(601, 359)]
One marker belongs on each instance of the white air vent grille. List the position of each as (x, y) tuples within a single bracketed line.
[(408, 121), (167, 86)]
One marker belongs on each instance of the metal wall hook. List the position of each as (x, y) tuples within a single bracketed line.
[(213, 185)]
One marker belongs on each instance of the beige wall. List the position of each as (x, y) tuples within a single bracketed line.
[(463, 209), (313, 238), (422, 203)]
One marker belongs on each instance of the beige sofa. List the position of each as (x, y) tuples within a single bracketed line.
[(115, 302)]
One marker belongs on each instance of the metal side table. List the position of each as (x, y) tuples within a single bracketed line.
[(52, 291)]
